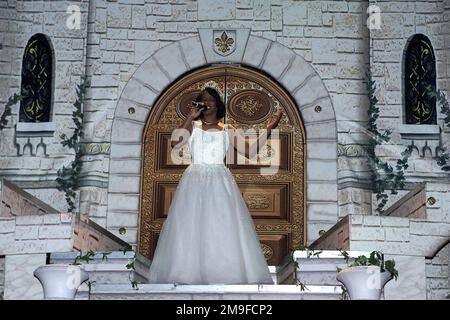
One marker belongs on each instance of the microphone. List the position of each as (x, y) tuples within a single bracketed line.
[(198, 104)]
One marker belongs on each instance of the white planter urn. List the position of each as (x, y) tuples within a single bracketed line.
[(364, 282), (60, 281)]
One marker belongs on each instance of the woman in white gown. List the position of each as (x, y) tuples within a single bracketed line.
[(209, 236)]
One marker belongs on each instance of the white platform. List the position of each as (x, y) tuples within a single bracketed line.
[(215, 292)]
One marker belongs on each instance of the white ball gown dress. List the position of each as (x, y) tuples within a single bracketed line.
[(208, 236)]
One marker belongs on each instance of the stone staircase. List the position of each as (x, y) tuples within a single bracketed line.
[(111, 269), (112, 280)]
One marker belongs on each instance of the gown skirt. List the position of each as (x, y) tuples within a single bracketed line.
[(209, 236)]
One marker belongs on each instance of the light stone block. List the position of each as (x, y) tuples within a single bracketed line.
[(426, 245), (310, 114), (321, 130), (356, 219), (53, 218), (261, 9), (324, 50), (55, 232), (396, 30), (411, 284), (119, 202), (216, 10), (311, 90), (26, 232), (122, 219), (396, 234), (130, 236), (255, 50), (27, 247), (276, 23), (171, 60), (29, 220), (350, 25), (321, 191), (297, 73), (127, 131), (192, 51), (322, 212), (350, 106), (425, 228), (315, 170), (372, 221), (241, 43), (150, 74), (144, 49), (313, 228), (124, 184), (394, 222), (126, 150), (138, 17), (366, 233), (135, 91), (119, 16), (7, 225), (6, 241), (140, 112), (401, 248), (58, 245), (20, 283), (294, 13), (322, 150), (125, 166), (277, 59)]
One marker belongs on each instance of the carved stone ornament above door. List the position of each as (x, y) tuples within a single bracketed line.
[(224, 42), (221, 45)]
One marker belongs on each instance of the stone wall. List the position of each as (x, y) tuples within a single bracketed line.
[(2, 276), (124, 35), (400, 21), (117, 37), (19, 21), (438, 275)]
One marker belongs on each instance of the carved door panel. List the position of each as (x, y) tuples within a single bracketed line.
[(276, 201)]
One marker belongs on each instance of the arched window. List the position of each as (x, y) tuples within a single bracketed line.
[(37, 76), (420, 79)]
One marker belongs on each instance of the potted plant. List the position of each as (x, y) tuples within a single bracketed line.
[(366, 277), (61, 281)]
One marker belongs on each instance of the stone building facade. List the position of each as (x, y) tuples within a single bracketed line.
[(132, 50)]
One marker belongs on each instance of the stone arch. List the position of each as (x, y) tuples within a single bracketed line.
[(167, 64)]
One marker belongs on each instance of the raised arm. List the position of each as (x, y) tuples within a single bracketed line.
[(177, 140), (243, 147)]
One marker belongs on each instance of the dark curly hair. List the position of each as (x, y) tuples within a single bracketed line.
[(219, 103)]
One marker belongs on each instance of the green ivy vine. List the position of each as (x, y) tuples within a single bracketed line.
[(68, 177), (390, 178), (443, 159), (7, 112)]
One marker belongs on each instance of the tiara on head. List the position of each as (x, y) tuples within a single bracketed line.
[(214, 85)]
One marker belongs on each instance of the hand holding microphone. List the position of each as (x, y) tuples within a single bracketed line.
[(197, 104), (196, 109)]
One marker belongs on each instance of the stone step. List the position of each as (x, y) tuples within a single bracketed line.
[(214, 292), (279, 273), (115, 257), (113, 280), (101, 270), (321, 269)]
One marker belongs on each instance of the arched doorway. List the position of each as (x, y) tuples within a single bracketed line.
[(276, 202)]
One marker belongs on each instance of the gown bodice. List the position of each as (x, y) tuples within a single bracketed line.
[(208, 147)]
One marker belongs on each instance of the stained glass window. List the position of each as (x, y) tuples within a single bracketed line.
[(36, 86), (420, 80)]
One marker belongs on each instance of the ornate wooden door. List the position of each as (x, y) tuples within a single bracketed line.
[(276, 201)]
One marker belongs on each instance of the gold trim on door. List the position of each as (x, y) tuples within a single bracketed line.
[(276, 202)]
